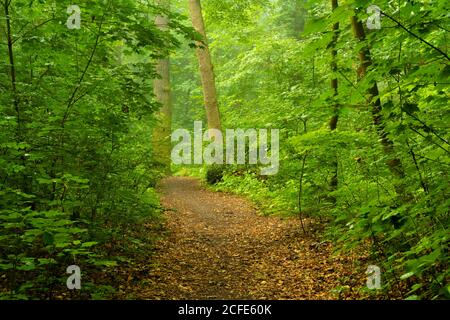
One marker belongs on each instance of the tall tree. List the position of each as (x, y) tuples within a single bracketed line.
[(373, 98), (299, 17), (206, 67), (162, 91), (334, 86), (7, 5)]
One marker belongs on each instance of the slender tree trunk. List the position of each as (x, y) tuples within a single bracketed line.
[(373, 98), (206, 67), (161, 89), (299, 18), (24, 181), (334, 86), (12, 66)]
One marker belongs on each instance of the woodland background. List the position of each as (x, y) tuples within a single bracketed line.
[(363, 115)]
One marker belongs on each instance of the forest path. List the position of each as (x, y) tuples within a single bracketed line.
[(220, 248)]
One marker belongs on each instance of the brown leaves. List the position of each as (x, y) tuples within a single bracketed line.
[(220, 248)]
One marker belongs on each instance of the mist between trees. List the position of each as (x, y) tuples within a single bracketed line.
[(90, 93)]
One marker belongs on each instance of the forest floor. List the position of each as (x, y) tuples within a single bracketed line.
[(219, 247)]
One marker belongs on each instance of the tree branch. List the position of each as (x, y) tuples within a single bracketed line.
[(416, 36), (77, 86)]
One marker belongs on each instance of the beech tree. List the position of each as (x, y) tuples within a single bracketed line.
[(206, 67), (162, 91), (356, 93), (334, 86)]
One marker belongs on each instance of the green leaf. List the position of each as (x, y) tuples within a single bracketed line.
[(106, 263), (48, 238), (89, 244), (406, 275)]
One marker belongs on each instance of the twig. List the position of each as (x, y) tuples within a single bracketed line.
[(416, 36), (78, 85)]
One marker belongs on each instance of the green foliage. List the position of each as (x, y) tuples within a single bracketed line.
[(214, 174), (75, 160), (76, 113), (274, 71)]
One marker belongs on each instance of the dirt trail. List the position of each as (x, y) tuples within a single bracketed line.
[(220, 248)]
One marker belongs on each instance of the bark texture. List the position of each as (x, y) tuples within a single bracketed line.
[(373, 99), (162, 91), (206, 67), (334, 86)]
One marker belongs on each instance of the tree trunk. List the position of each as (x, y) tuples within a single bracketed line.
[(299, 18), (334, 86), (12, 67), (373, 98), (206, 67), (161, 89)]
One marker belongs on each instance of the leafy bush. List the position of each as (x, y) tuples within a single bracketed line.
[(214, 174)]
